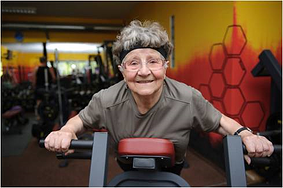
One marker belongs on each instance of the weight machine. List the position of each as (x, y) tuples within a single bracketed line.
[(147, 156)]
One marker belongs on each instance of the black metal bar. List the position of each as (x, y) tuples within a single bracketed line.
[(99, 160), (234, 161), (44, 50), (268, 65), (262, 161), (272, 65), (270, 133), (259, 70), (75, 144), (277, 148)]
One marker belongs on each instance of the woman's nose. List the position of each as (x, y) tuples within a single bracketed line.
[(144, 70)]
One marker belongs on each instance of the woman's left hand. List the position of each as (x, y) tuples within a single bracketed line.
[(256, 146)]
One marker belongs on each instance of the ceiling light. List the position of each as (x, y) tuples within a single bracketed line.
[(19, 10), (112, 28), (69, 47), (40, 26)]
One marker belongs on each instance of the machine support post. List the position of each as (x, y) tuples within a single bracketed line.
[(234, 161), (99, 160)]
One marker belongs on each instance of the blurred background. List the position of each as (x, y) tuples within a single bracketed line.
[(221, 48)]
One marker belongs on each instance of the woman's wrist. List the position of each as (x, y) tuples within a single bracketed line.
[(67, 129), (243, 132)]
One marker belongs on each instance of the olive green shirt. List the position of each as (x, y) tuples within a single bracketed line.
[(179, 109)]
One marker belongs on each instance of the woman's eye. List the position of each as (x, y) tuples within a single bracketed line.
[(153, 61), (134, 63)]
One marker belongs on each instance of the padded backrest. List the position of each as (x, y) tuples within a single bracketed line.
[(147, 147)]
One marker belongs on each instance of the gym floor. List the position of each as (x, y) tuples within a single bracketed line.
[(25, 164)]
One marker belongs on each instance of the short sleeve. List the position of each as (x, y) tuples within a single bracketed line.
[(205, 116), (92, 115)]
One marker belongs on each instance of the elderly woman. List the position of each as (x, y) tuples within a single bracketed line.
[(148, 104)]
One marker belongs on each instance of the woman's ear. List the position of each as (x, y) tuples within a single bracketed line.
[(121, 68), (166, 64)]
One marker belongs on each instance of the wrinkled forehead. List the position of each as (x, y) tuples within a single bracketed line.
[(143, 53)]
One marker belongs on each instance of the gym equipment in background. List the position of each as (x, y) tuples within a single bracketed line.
[(13, 108)]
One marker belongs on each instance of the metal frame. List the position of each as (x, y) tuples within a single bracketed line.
[(234, 161), (99, 160), (148, 178)]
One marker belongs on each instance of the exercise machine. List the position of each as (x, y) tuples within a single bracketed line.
[(268, 66), (148, 156), (147, 161)]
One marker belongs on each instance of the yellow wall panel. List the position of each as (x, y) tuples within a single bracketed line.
[(197, 24), (261, 20)]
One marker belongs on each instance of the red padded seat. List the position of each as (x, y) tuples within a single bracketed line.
[(147, 147)]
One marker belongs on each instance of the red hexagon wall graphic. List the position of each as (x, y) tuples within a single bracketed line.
[(231, 64), (233, 101), (253, 114), (217, 56), (218, 105), (205, 91), (234, 40), (217, 85), (234, 71)]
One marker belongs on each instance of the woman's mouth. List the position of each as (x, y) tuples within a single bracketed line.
[(144, 81)]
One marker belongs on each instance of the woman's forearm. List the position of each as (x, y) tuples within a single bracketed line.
[(74, 125), (229, 126)]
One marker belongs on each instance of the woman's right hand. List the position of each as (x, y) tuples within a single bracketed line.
[(59, 141)]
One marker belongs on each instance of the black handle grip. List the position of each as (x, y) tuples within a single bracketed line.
[(263, 161), (75, 144), (270, 133), (277, 148)]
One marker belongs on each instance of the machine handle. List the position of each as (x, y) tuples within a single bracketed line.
[(75, 144)]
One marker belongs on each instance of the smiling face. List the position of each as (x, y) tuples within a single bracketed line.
[(144, 82)]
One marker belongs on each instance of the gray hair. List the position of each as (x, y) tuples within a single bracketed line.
[(146, 34)]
